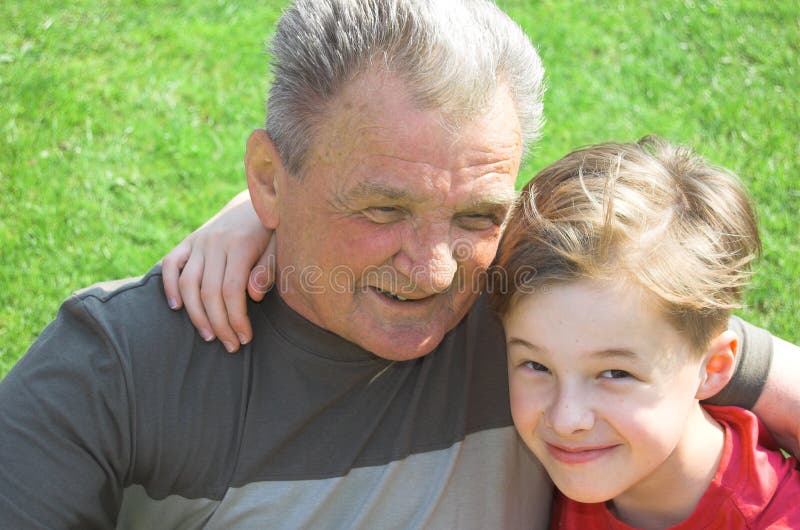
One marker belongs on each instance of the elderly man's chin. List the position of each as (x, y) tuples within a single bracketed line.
[(405, 341), (405, 330)]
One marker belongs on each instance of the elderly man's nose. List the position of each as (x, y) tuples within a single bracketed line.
[(428, 261), (439, 271)]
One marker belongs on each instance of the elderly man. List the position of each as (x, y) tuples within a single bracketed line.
[(372, 393)]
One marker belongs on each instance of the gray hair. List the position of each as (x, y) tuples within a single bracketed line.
[(451, 54)]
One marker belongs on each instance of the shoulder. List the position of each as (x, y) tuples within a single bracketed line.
[(124, 334), (781, 510), (127, 304), (185, 394), (762, 483), (91, 332), (133, 317)]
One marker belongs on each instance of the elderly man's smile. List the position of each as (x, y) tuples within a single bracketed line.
[(408, 301), (394, 296)]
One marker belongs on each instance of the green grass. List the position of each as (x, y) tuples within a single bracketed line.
[(122, 125)]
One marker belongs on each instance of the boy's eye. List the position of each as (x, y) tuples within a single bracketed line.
[(536, 367), (615, 374)]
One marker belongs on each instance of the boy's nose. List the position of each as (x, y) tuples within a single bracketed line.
[(570, 411)]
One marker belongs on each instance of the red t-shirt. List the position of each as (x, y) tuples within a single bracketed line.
[(755, 486)]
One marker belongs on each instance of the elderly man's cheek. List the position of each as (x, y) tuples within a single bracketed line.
[(484, 251)]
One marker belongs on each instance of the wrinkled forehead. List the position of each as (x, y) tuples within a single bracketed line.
[(376, 116)]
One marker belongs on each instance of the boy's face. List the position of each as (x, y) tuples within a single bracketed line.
[(602, 388)]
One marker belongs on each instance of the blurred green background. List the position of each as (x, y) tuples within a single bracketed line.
[(122, 124)]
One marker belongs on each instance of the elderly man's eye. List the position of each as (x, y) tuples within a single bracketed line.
[(478, 221), (384, 214)]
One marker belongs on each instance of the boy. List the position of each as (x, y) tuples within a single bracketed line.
[(626, 260)]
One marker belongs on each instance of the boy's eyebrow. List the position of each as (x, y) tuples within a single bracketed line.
[(603, 354), (616, 352), (514, 341)]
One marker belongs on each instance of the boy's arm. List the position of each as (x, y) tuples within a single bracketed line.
[(779, 403), (209, 272)]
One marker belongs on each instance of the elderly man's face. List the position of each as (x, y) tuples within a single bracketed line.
[(384, 239)]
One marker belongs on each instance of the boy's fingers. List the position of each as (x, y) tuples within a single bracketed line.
[(171, 267), (189, 283), (211, 294), (234, 294)]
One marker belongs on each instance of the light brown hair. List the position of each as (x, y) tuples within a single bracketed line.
[(649, 212)]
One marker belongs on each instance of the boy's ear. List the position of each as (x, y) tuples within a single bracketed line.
[(719, 363), (265, 171)]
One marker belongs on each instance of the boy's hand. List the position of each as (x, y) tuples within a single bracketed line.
[(210, 270)]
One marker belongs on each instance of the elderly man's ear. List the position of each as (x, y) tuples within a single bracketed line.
[(265, 173), (719, 363)]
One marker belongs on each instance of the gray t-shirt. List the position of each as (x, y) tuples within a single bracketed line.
[(120, 415)]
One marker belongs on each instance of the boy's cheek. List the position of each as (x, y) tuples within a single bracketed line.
[(526, 404)]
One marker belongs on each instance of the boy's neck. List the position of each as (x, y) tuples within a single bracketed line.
[(670, 494)]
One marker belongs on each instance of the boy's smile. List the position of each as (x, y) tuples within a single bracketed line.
[(579, 454), (603, 390)]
